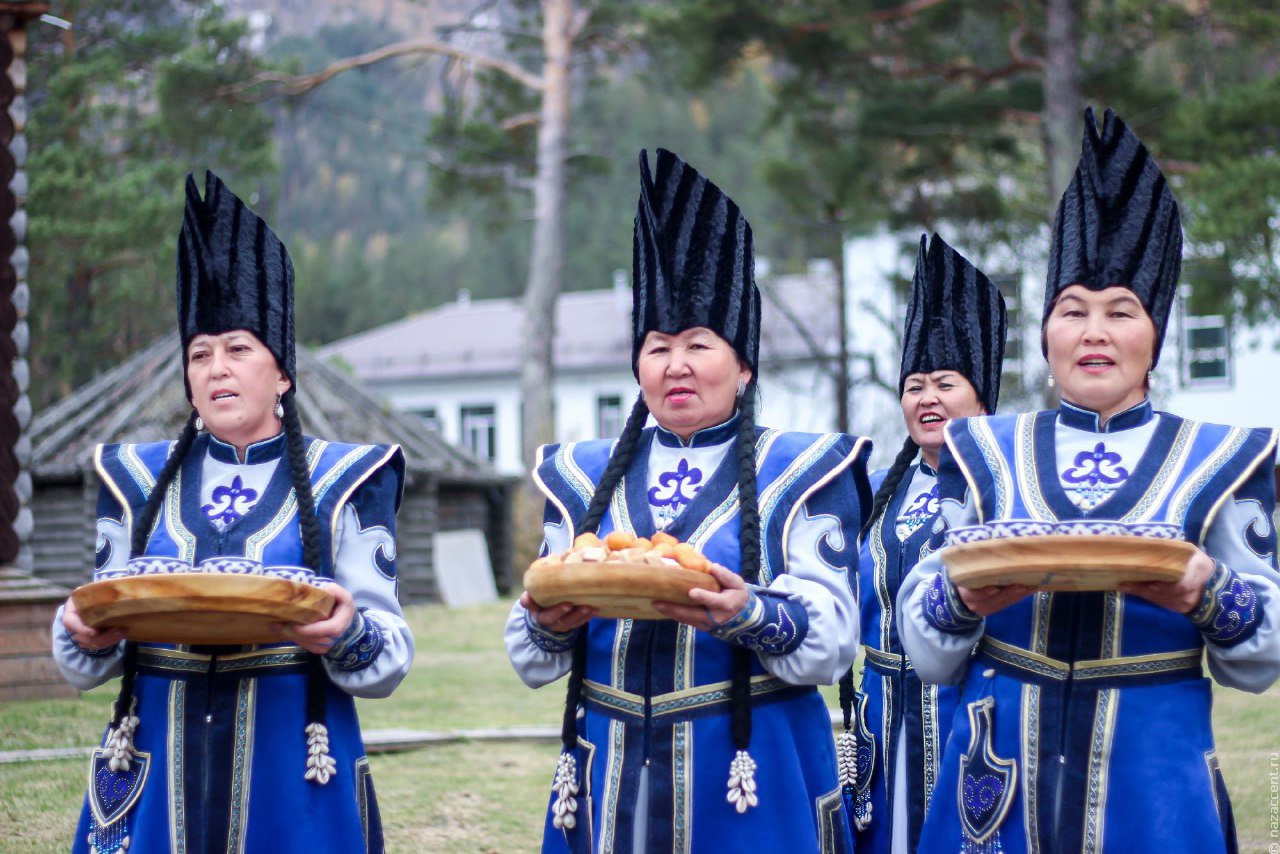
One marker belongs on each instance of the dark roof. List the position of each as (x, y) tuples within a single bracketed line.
[(142, 400)]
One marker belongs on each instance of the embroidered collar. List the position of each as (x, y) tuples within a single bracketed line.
[(704, 438), (1079, 418), (259, 452)]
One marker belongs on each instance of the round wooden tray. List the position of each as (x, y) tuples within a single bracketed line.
[(616, 590), (200, 607), (1066, 562)]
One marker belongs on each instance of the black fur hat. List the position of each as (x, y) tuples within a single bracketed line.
[(1117, 224), (955, 320), (692, 260), (233, 273)]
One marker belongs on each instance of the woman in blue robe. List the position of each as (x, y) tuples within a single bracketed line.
[(703, 731), (254, 748), (952, 352), (1085, 718)]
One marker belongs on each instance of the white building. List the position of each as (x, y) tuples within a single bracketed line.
[(458, 366)]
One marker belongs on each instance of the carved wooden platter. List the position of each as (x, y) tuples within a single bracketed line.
[(200, 608), (1066, 561), (616, 590)]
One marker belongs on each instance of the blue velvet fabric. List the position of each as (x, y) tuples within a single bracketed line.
[(1125, 763), (227, 750), (657, 691)]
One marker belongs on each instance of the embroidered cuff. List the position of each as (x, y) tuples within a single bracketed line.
[(769, 624), (943, 609), (91, 653), (547, 640), (1228, 612), (359, 646)]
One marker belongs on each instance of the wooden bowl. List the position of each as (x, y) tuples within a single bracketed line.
[(616, 590), (200, 607), (1066, 562)]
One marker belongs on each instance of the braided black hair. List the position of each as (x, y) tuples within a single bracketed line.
[(142, 527), (137, 547), (300, 474), (749, 566), (892, 478), (309, 528), (883, 495), (619, 462)]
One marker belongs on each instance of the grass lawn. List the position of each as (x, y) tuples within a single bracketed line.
[(480, 796)]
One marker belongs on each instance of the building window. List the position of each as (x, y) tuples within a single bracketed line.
[(1206, 350), (428, 416), (609, 416), (479, 431)]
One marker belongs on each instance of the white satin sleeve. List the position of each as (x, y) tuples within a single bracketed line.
[(86, 669), (826, 592), (378, 656), (535, 665), (938, 657), (1253, 664)]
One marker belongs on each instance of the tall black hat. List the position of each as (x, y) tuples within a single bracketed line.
[(955, 321), (233, 273), (1117, 224), (692, 260)]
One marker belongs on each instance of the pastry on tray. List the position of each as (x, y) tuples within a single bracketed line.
[(621, 575)]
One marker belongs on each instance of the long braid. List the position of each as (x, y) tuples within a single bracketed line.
[(619, 462), (142, 526), (892, 478), (300, 475), (883, 495), (138, 546), (749, 544)]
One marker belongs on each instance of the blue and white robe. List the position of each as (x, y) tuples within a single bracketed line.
[(904, 722), (1084, 720), (221, 731), (655, 744)]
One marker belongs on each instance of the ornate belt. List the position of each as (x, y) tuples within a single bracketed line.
[(182, 664), (1093, 673), (885, 663), (667, 709)]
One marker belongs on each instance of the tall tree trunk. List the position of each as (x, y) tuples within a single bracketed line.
[(1060, 127), (546, 258), (842, 327)]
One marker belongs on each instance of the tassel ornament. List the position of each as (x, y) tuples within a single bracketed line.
[(320, 765), (120, 743), (742, 782), (566, 788)]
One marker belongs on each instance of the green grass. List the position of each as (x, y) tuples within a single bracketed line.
[(480, 796)]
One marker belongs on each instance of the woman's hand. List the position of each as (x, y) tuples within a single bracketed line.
[(562, 618), (712, 609), (1183, 595), (320, 636), (84, 636), (986, 601)]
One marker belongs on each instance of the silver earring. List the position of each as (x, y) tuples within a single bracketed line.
[(1051, 382), (1151, 378), (199, 424), (742, 388), (279, 410)]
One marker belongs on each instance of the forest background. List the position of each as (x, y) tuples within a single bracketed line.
[(399, 183)]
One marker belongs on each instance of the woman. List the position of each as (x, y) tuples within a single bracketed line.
[(1085, 720), (952, 352), (703, 730), (233, 748)]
